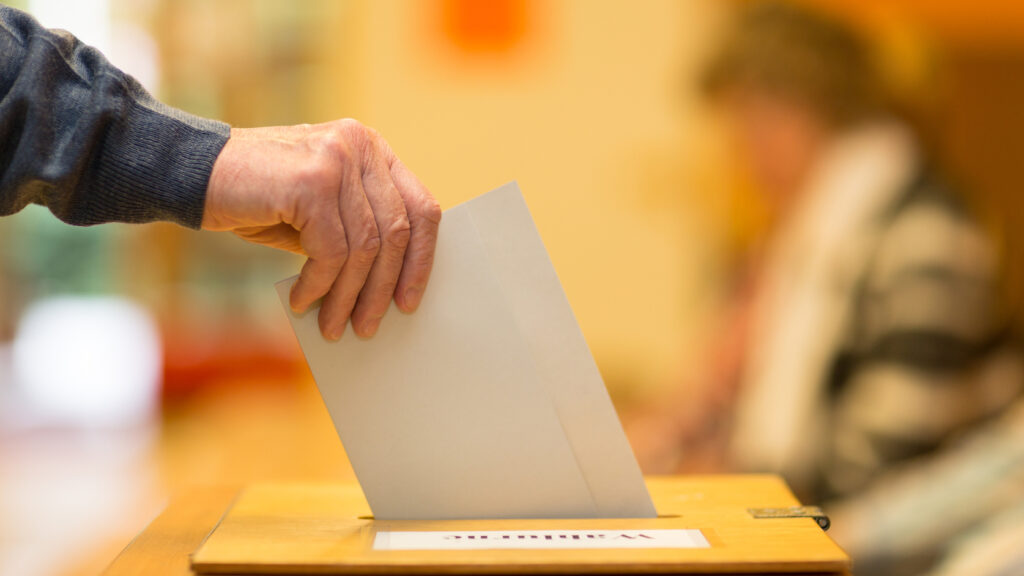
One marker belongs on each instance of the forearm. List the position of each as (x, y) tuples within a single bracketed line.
[(86, 140)]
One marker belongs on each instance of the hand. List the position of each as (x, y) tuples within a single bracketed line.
[(336, 193)]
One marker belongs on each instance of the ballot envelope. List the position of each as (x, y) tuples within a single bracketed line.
[(484, 441), (486, 402)]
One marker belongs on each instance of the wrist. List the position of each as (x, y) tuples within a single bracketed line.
[(217, 184)]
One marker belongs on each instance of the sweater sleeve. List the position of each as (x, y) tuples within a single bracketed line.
[(85, 140)]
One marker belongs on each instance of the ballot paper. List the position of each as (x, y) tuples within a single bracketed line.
[(486, 402)]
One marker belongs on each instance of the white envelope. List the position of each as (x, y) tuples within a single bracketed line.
[(486, 402)]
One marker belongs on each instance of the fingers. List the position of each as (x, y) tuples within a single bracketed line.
[(323, 239), (394, 229), (364, 242), (424, 218), (366, 223)]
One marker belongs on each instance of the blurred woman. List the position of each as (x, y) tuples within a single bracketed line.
[(867, 358)]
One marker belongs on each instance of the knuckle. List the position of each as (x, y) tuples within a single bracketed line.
[(360, 139), (336, 252), (332, 146), (430, 210), (334, 152), (398, 232), (322, 169), (353, 131), (368, 243), (349, 124), (329, 242)]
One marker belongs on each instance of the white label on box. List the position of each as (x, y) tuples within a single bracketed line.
[(539, 539)]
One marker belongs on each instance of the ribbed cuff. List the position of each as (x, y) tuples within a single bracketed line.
[(155, 164)]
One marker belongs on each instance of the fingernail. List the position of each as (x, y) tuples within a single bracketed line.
[(370, 327), (335, 334), (291, 300), (412, 297)]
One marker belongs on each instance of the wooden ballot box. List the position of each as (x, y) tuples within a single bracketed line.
[(705, 524)]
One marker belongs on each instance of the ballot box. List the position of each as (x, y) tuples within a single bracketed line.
[(745, 524), (485, 442)]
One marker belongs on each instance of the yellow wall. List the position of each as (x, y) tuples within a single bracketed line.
[(590, 112)]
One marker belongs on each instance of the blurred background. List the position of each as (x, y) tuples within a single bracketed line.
[(634, 131)]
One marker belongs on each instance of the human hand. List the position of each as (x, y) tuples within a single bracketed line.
[(336, 193)]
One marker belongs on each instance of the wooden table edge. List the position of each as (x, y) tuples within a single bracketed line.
[(165, 545)]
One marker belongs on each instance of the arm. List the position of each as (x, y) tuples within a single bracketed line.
[(87, 141), (84, 139)]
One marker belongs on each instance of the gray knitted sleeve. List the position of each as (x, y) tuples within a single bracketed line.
[(85, 140)]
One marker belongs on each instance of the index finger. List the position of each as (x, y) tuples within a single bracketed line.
[(323, 240), (424, 218)]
